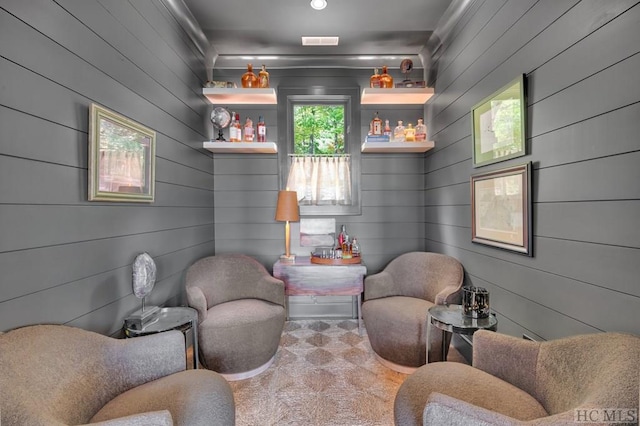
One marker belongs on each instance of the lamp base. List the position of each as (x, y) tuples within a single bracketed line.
[(290, 258)]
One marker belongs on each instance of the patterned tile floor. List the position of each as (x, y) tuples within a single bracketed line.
[(325, 374)]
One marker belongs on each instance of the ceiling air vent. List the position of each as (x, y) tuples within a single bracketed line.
[(320, 41)]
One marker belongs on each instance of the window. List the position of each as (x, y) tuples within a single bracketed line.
[(320, 157), (318, 129)]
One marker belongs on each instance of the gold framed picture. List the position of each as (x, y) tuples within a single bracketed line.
[(121, 158)]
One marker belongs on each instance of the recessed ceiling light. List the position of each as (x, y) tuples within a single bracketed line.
[(318, 4), (320, 41)]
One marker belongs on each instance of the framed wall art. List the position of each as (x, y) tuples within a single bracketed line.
[(501, 209), (317, 232), (499, 125), (121, 158)]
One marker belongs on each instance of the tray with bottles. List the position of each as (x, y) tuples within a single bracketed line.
[(320, 260)]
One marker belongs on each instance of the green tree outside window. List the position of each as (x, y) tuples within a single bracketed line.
[(318, 129)]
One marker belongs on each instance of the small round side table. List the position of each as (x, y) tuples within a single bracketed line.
[(450, 319), (179, 318)]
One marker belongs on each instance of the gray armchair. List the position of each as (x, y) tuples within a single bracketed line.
[(519, 382), (396, 303), (241, 314), (54, 375)]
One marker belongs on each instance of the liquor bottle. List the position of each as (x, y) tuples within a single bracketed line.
[(374, 81), (262, 130), (263, 78), (355, 248), (238, 127), (410, 133), (421, 131), (346, 248), (232, 128), (386, 81), (342, 236), (376, 125), (249, 133), (387, 128), (398, 132), (249, 79)]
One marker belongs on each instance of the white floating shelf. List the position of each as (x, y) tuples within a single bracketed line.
[(397, 146), (235, 96), (242, 147), (401, 95)]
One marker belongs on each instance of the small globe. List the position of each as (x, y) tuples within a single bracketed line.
[(220, 118)]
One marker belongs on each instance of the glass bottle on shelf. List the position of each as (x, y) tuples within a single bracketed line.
[(386, 81), (398, 132), (387, 128), (421, 131), (262, 130), (263, 78), (410, 133), (374, 81), (355, 248), (376, 125), (248, 130), (249, 79), (232, 128), (238, 127)]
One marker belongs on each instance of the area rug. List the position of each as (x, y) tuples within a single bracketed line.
[(324, 374)]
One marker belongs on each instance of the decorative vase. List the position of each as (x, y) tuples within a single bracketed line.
[(386, 81), (249, 79)]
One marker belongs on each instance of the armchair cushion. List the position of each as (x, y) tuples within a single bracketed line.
[(155, 418), (241, 335), (466, 383), (196, 397), (396, 329)]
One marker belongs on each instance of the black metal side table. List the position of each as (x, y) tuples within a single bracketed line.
[(450, 319), (175, 318)]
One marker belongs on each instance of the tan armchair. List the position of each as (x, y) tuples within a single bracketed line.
[(519, 382), (241, 314), (54, 375), (396, 303)]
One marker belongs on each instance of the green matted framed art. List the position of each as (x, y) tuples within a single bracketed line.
[(499, 124), (121, 158)]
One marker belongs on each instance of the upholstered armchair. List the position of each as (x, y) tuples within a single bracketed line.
[(519, 382), (396, 301), (54, 375), (241, 314)]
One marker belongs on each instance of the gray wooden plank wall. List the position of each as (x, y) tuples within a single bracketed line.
[(581, 60), (246, 186), (64, 259)]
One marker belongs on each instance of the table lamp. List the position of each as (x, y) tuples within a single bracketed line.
[(287, 211)]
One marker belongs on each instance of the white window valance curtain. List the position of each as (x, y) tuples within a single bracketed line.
[(321, 179)]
